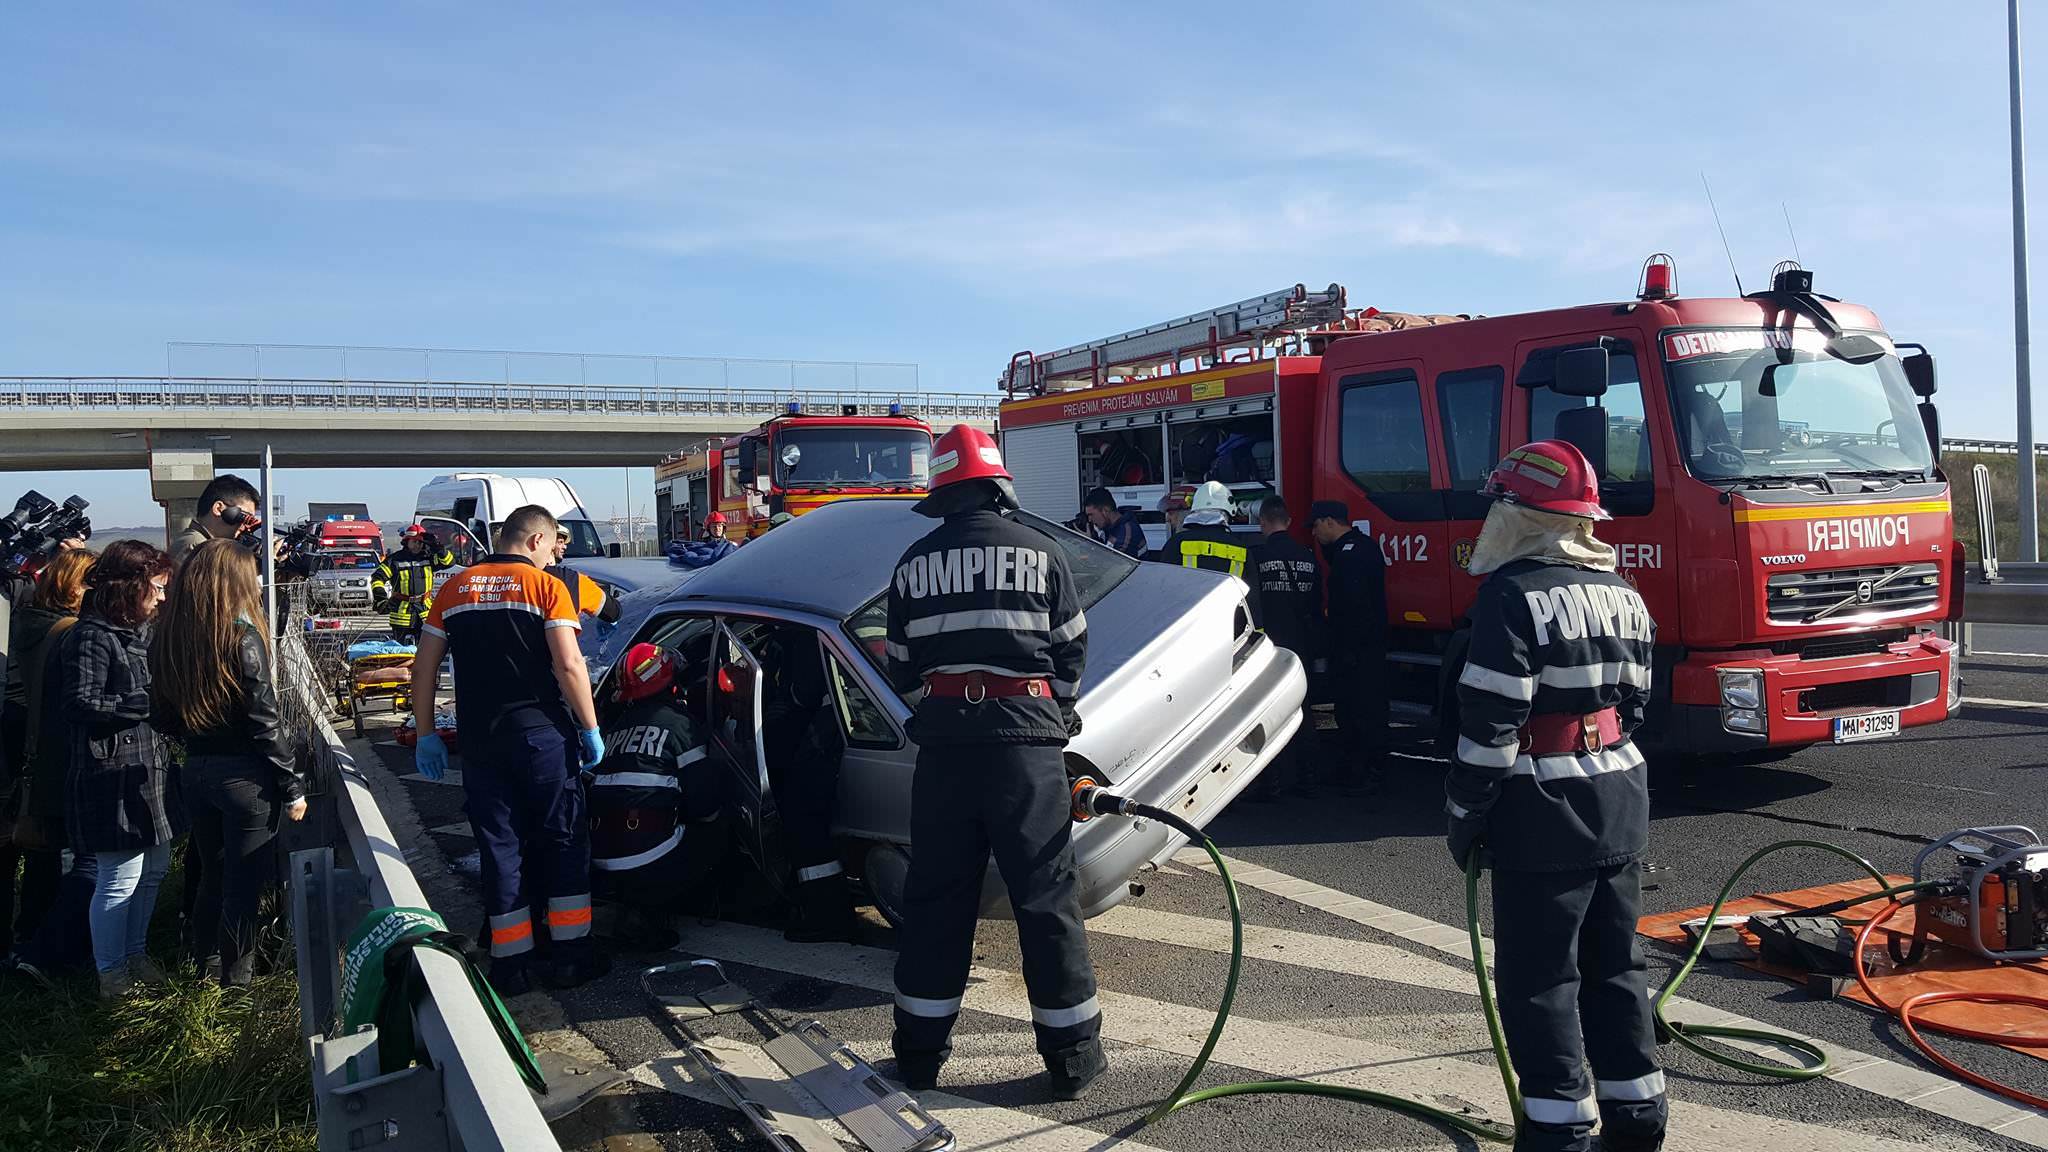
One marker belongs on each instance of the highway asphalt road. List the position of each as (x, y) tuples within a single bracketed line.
[(1387, 1003)]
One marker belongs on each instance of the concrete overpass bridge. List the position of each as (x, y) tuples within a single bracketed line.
[(181, 428)]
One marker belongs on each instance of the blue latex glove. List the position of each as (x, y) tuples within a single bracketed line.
[(591, 747), (430, 755)]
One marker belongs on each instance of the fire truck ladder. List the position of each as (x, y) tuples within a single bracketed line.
[(1246, 321)]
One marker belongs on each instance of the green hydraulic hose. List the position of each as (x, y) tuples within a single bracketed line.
[(1185, 1093), (1686, 1034)]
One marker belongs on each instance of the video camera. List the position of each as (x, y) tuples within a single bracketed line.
[(302, 537), (32, 531)]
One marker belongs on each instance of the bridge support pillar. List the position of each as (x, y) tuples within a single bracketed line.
[(176, 477)]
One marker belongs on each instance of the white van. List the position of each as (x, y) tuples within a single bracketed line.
[(480, 501)]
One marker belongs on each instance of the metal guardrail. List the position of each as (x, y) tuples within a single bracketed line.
[(1994, 447), (2018, 596), (469, 1096), (325, 395)]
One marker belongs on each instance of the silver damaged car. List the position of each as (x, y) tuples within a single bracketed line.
[(1183, 702)]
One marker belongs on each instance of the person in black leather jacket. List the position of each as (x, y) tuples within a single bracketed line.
[(212, 686)]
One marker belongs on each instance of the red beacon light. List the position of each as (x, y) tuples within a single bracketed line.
[(1659, 280)]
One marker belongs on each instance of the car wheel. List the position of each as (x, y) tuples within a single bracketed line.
[(886, 869)]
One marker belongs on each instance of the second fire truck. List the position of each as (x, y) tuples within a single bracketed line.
[(1770, 463), (791, 463)]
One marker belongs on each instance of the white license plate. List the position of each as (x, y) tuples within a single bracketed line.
[(1870, 726)]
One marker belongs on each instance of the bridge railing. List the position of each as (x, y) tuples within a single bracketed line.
[(218, 393)]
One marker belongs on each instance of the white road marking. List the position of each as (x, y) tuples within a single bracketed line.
[(452, 778), (1284, 946), (1990, 702), (1272, 1049), (1976, 652), (1917, 1087)]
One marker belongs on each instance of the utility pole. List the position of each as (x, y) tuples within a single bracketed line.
[(2023, 383)]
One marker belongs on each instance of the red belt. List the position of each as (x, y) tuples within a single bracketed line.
[(974, 687), (1564, 734)]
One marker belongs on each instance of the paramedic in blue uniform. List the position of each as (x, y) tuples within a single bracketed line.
[(523, 707), (985, 619), (1547, 783)]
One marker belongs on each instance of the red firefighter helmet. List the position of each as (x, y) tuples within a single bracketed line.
[(963, 454), (1549, 476), (647, 671), (714, 518), (413, 531), (1178, 499)]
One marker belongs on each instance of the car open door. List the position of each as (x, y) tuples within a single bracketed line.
[(736, 744), (451, 534)]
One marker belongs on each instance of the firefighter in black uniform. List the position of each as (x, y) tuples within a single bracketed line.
[(1357, 641), (1287, 603), (1205, 539), (804, 744), (654, 803), (984, 616), (1548, 784), (403, 584)]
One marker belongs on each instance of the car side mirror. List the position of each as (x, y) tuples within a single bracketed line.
[(1585, 428), (613, 550), (1581, 372)]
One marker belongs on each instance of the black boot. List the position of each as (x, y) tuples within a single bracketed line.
[(575, 963), (511, 976), (823, 911), (1070, 1073)]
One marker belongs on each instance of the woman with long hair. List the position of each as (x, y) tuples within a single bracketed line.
[(38, 825), (209, 663), (121, 800)]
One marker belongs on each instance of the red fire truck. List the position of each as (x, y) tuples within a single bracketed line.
[(1769, 462), (792, 463)]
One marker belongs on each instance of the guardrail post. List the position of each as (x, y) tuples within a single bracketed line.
[(318, 947), (357, 1108)]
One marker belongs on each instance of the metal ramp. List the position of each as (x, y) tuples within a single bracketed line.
[(801, 1064), (1287, 309)]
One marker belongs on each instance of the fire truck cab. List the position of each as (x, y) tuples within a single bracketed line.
[(1769, 462), (792, 463)]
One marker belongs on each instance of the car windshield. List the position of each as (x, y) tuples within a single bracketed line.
[(1750, 412), (834, 457), (1097, 570)]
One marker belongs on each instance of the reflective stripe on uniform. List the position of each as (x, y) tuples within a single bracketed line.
[(819, 872), (1618, 759), (1000, 619), (1065, 1017), (512, 933), (571, 625), (1498, 683), (1193, 550), (1542, 1111), (1641, 1088), (635, 780), (1070, 629), (1065, 689), (569, 917), (1595, 675), (1457, 810), (896, 651), (929, 1009), (628, 863), (1470, 751), (430, 630), (691, 757), (989, 668), (494, 606)]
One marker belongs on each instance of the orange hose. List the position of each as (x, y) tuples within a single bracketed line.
[(1913, 1003)]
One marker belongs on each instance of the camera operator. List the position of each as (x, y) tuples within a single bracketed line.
[(227, 511)]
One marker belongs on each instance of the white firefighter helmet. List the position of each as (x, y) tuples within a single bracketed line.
[(1213, 495)]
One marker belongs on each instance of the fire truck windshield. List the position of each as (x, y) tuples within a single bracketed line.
[(1746, 412), (851, 457)]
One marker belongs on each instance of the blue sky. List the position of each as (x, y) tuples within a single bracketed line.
[(947, 184)]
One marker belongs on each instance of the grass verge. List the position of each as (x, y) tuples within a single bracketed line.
[(187, 1068)]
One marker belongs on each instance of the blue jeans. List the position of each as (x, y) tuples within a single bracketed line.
[(123, 898)]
